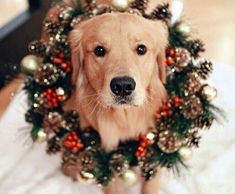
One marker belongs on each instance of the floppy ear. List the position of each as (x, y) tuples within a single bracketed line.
[(162, 43), (161, 66), (75, 37)]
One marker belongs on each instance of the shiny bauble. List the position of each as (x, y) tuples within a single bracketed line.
[(129, 177), (185, 28), (29, 64), (86, 178), (208, 92), (42, 136), (120, 5), (185, 153)]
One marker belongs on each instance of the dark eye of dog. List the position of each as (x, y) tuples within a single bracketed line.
[(100, 51), (141, 49)]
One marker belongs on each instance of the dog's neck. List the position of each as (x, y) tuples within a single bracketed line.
[(115, 124)]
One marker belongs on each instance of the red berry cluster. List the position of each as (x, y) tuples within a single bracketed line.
[(64, 64), (52, 98), (142, 148), (166, 109), (171, 56), (73, 142)]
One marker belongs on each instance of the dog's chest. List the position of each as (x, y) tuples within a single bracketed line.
[(121, 125)]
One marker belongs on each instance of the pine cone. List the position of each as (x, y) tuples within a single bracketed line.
[(47, 74), (191, 108), (192, 85), (37, 47), (86, 161), (148, 170), (53, 145), (192, 138), (52, 122), (168, 142), (51, 27), (71, 120), (205, 68), (195, 46), (140, 5), (161, 12), (203, 121), (118, 164)]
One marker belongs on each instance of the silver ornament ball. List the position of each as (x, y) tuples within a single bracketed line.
[(86, 178), (29, 64), (209, 92), (42, 136), (185, 153), (129, 177), (120, 5)]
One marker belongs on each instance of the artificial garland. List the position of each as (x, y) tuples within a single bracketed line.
[(177, 124)]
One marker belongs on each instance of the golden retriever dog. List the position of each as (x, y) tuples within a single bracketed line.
[(119, 71)]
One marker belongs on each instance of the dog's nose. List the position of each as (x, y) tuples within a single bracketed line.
[(122, 86)]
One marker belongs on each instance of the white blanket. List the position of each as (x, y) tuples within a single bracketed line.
[(26, 169)]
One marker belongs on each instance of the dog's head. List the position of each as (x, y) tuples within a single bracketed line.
[(121, 57)]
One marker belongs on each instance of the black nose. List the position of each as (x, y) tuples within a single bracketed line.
[(122, 86)]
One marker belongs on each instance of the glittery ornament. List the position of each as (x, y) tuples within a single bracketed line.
[(185, 28), (182, 58), (47, 74), (52, 122), (192, 84), (168, 141), (37, 47), (86, 161), (118, 164), (204, 69), (192, 107), (140, 5), (208, 92)]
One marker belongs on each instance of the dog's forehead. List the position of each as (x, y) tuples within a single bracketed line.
[(117, 23)]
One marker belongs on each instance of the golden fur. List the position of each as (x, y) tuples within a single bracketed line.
[(119, 33)]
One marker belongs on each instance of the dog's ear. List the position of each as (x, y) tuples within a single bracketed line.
[(75, 37), (162, 44), (161, 66)]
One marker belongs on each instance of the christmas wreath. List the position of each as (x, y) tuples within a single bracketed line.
[(177, 125)]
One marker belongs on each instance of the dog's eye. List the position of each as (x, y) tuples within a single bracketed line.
[(141, 49), (100, 51)]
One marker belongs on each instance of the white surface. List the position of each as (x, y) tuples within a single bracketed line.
[(26, 169)]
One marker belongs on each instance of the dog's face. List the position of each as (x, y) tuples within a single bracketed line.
[(119, 54)]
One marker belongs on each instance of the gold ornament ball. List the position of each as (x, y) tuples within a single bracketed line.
[(29, 64), (121, 5), (185, 153), (129, 177), (209, 92), (86, 178), (42, 136)]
